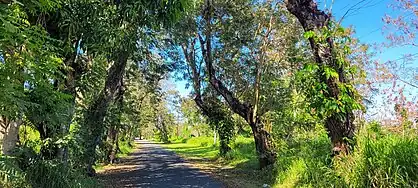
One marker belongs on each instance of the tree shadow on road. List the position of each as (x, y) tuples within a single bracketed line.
[(239, 169), (154, 167)]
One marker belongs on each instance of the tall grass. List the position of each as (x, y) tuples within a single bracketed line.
[(242, 151), (381, 159), (304, 160)]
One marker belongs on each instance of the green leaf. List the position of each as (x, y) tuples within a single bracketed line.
[(340, 30), (309, 34), (330, 72)]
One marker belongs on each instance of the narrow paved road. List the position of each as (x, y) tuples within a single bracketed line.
[(153, 166)]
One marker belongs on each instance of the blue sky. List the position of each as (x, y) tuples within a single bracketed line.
[(368, 25), (366, 18)]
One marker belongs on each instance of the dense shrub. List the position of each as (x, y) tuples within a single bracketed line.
[(55, 174), (125, 148), (42, 173), (27, 167), (11, 175)]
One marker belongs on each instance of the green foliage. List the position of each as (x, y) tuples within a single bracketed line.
[(304, 160), (28, 169), (55, 59), (242, 151), (40, 173), (315, 77), (125, 148), (10, 173), (381, 159), (55, 174), (30, 137), (195, 121), (27, 56)]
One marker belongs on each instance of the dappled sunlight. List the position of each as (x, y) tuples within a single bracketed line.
[(238, 169), (232, 93), (152, 166)]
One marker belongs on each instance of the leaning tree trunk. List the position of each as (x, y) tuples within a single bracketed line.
[(313, 19), (114, 130), (213, 113), (97, 111), (262, 139)]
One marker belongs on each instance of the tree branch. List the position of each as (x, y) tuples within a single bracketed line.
[(236, 105)]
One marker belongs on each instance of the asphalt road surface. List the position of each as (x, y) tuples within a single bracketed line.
[(153, 166)]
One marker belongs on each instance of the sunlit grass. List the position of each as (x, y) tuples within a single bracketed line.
[(193, 151), (238, 168), (125, 149), (242, 152), (380, 159)]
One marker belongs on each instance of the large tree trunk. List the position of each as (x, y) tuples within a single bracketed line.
[(10, 134), (97, 111), (113, 137), (263, 145), (114, 130), (313, 19)]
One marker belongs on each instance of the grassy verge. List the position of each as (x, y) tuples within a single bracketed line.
[(238, 169), (380, 158), (126, 148)]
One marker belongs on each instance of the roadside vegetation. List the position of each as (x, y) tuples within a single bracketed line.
[(279, 93), (71, 88), (382, 158)]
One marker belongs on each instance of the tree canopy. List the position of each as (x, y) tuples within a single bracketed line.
[(81, 79)]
